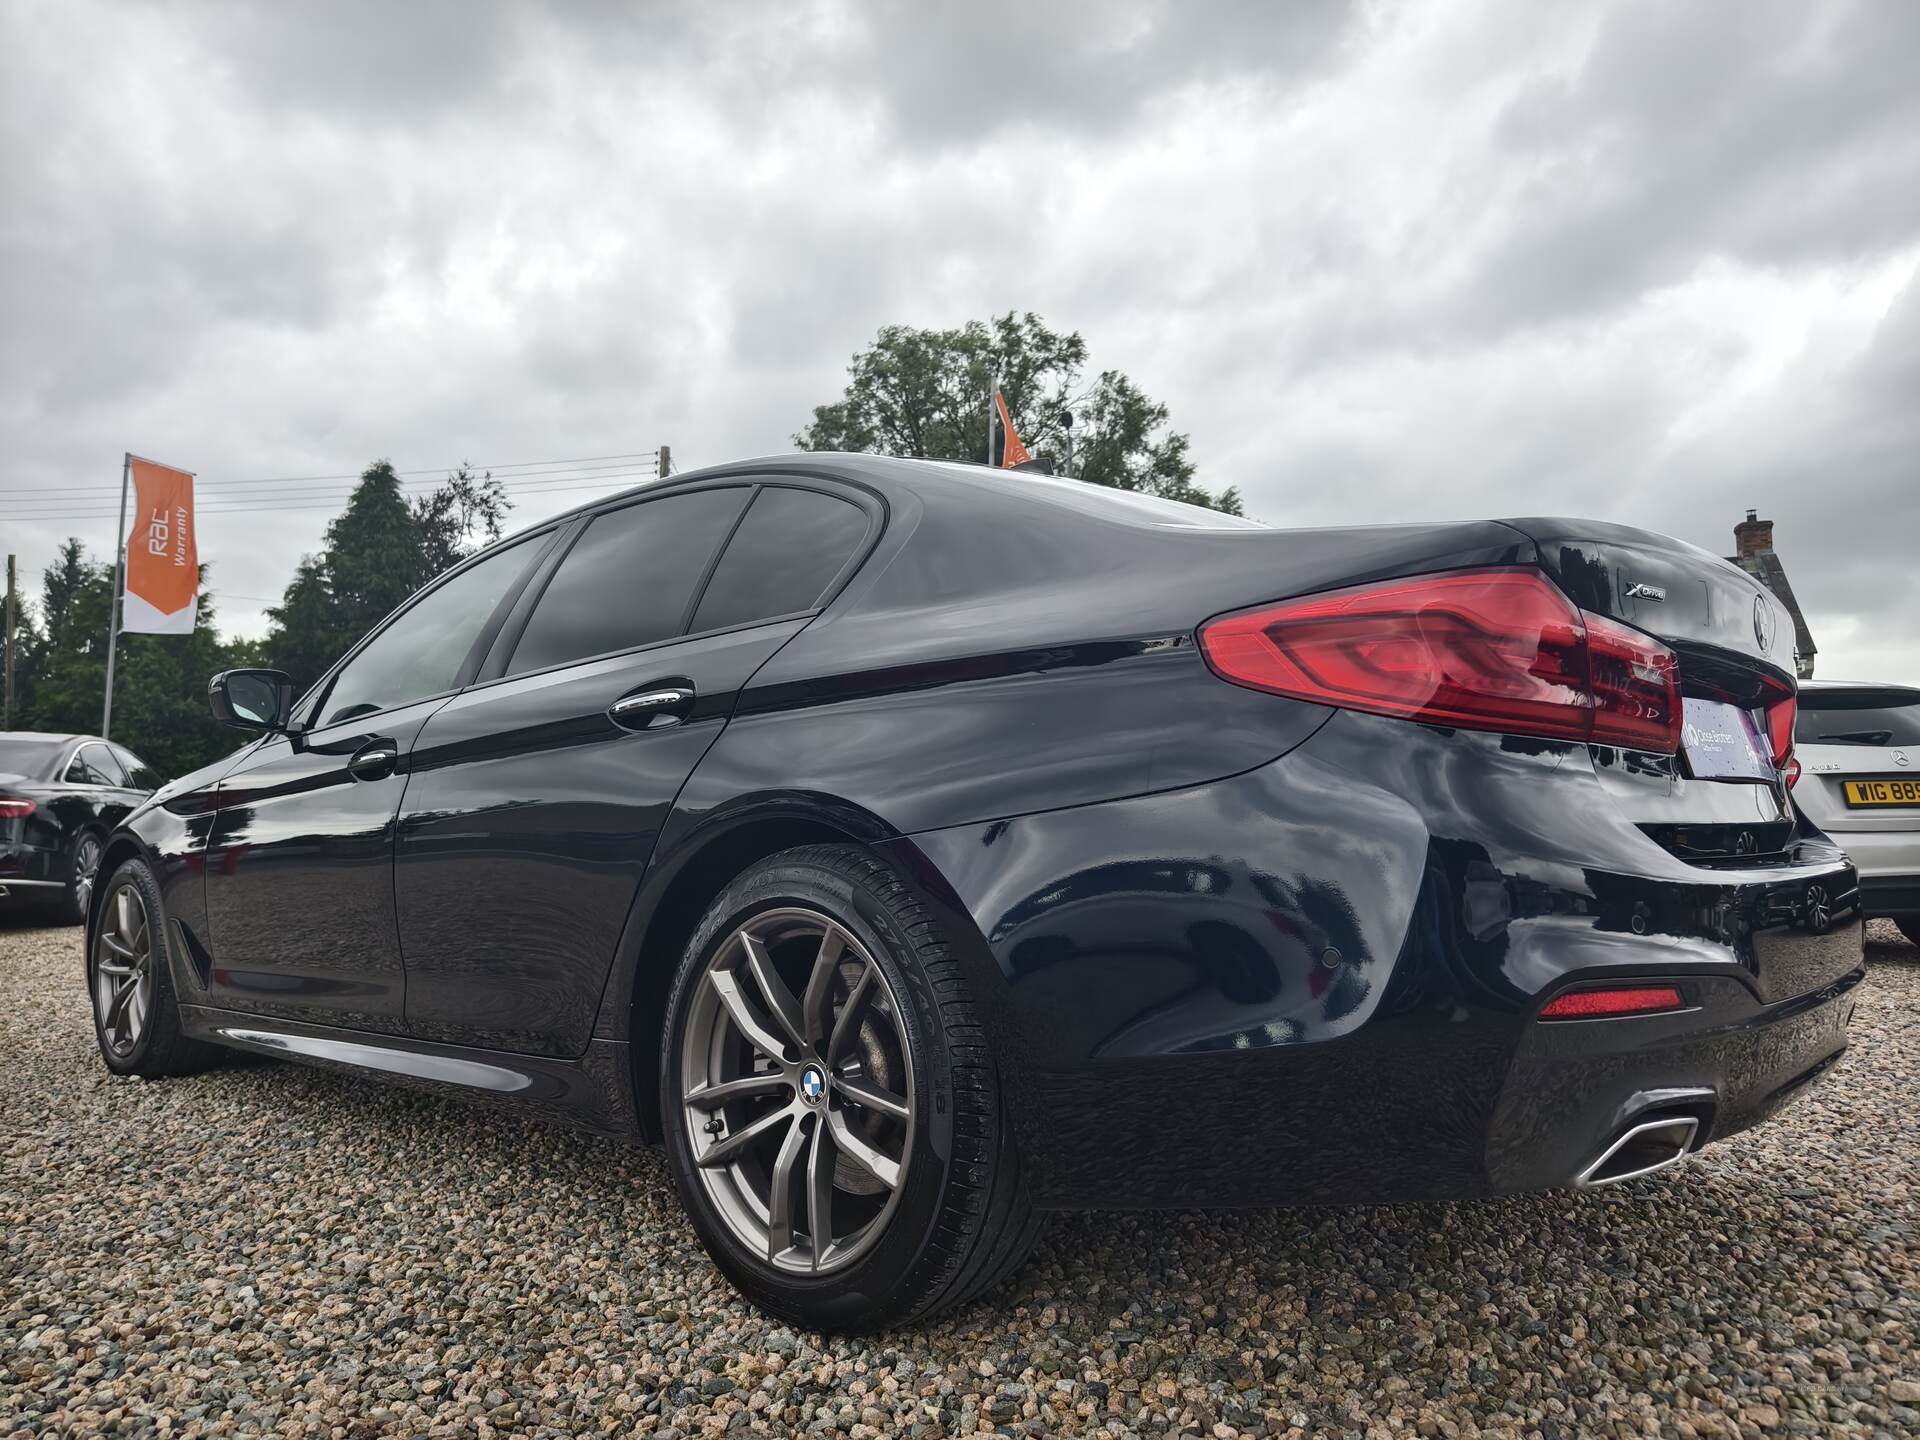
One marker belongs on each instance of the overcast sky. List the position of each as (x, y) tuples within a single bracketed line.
[(1652, 263)]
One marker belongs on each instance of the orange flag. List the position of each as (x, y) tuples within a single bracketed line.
[(1013, 452), (163, 562)]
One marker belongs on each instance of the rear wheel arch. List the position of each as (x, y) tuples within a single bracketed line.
[(697, 872)]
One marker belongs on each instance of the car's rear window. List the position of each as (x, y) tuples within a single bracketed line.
[(31, 758), (1865, 719)]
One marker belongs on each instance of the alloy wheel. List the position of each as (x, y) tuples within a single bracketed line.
[(797, 1090), (86, 869), (123, 970)]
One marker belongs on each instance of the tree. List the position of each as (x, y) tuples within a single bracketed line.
[(378, 551), (457, 518), (922, 393), (160, 681)]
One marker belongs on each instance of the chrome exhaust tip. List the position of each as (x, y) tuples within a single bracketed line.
[(1641, 1149)]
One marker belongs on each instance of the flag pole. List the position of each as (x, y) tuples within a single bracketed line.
[(113, 601)]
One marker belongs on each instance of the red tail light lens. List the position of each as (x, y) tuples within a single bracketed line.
[(1625, 1000), (1495, 649), (1783, 705), (15, 809)]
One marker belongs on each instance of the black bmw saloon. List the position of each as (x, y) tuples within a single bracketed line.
[(913, 849)]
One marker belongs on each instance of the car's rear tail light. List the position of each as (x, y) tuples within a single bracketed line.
[(1495, 649), (1623, 1000), (15, 809), (1782, 708)]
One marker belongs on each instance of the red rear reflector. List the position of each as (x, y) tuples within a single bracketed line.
[(1595, 1004), (1495, 649), (15, 809)]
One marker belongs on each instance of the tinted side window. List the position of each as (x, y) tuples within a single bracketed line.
[(139, 774), (629, 578), (82, 771), (102, 763), (421, 653), (782, 558)]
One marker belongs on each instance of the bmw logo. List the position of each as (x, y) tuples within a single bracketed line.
[(1763, 623), (813, 1084)]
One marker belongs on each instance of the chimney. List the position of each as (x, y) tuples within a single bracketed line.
[(1752, 536)]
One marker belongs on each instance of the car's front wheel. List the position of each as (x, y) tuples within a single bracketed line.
[(830, 1103), (136, 1017)]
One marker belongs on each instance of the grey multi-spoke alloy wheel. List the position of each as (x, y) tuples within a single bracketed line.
[(831, 1107), (136, 1018), (86, 869), (123, 970), (797, 1096)]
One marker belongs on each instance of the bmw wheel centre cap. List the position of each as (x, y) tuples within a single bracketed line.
[(813, 1085)]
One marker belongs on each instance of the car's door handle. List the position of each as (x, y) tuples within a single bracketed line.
[(652, 709), (374, 761)]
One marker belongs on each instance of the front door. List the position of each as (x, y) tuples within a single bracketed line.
[(538, 793), (299, 878), (300, 874)]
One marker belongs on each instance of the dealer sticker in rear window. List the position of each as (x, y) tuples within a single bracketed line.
[(1722, 742), (1882, 792)]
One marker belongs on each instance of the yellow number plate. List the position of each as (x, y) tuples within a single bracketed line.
[(1883, 792)]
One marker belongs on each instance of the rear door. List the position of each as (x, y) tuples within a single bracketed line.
[(538, 793), (299, 863)]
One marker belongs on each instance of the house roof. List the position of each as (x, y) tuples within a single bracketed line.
[(1765, 567)]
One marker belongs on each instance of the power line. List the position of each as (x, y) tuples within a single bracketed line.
[(580, 461), (43, 510), (555, 470)]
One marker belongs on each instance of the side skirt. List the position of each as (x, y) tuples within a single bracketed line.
[(593, 1093)]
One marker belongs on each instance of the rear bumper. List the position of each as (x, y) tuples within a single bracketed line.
[(1317, 982), (30, 874), (1889, 866), (1729, 1062)]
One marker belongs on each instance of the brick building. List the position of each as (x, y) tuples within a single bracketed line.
[(1754, 553)]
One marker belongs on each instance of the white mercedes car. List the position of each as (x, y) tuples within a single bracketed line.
[(1859, 752)]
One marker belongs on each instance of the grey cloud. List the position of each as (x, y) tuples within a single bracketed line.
[(1384, 262)]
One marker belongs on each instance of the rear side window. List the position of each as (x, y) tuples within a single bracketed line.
[(105, 764), (1855, 721), (629, 579), (93, 766), (139, 774), (784, 555)]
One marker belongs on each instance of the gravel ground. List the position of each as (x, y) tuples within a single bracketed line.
[(268, 1249)]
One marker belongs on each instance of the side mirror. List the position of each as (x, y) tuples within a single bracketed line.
[(252, 699)]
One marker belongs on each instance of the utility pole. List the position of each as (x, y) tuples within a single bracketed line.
[(993, 392), (113, 600), (664, 464), (13, 611)]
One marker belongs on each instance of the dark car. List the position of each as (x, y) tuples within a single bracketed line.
[(914, 849), (60, 797)]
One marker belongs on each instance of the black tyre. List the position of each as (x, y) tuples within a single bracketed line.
[(136, 1016), (830, 1103), (83, 870), (1909, 926)]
